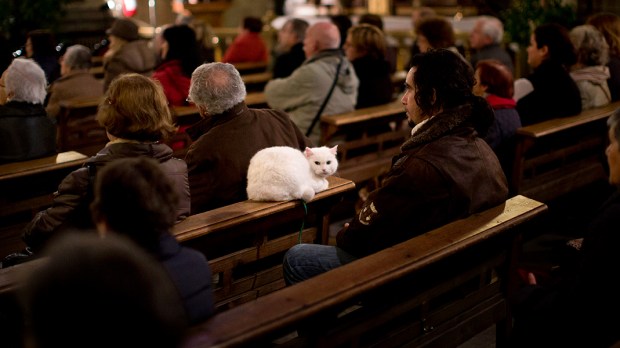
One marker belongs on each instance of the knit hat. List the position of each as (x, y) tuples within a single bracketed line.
[(126, 29)]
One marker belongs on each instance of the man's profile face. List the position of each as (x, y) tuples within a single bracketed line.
[(476, 37), (408, 100), (286, 36)]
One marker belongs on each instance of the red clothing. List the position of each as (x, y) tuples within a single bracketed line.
[(175, 83), (247, 47), (501, 103)]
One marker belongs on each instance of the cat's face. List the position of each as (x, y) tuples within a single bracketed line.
[(323, 161)]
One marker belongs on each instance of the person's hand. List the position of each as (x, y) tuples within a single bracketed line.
[(531, 278), (344, 228)]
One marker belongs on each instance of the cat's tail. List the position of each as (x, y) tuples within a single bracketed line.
[(307, 193)]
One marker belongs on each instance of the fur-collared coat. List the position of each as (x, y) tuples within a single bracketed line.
[(444, 172)]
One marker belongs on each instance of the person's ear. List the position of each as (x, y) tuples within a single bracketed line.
[(202, 111), (545, 51)]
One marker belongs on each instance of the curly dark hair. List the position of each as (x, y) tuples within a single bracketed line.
[(443, 80)]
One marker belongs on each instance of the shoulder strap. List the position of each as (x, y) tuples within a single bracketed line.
[(329, 94)]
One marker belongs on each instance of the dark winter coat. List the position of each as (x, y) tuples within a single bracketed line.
[(444, 172)]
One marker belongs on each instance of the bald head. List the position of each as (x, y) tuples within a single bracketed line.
[(321, 36)]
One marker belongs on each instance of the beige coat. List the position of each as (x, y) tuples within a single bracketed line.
[(75, 85)]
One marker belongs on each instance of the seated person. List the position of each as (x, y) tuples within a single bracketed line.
[(41, 47), (303, 93), (248, 46), (435, 32), (590, 72), (76, 81), (564, 314), (417, 15), (135, 198), (137, 120), (444, 172), (486, 39), (494, 82), (101, 293), (180, 57), (228, 136), (609, 25), (343, 22), (549, 91), (391, 51), (25, 130), (127, 53), (365, 48), (289, 52)]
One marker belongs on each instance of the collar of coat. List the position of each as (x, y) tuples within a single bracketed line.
[(438, 125), (334, 52), (207, 123)]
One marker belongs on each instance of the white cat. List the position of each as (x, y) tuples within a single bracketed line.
[(282, 173)]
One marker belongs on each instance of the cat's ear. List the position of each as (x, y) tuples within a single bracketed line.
[(334, 149), (308, 152)]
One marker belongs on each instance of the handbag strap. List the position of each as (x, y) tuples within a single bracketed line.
[(329, 94)]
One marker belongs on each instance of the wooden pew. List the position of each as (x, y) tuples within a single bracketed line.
[(250, 67), (245, 241), (557, 156), (27, 188), (438, 289), (97, 71), (256, 82), (78, 129), (367, 139)]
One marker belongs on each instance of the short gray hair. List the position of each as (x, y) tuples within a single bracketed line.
[(493, 28), (217, 87), (590, 45), (26, 81), (77, 57)]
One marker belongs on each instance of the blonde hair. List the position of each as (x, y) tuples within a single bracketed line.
[(136, 108), (369, 39)]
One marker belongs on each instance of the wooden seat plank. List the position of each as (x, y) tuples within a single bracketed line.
[(319, 299), (68, 159)]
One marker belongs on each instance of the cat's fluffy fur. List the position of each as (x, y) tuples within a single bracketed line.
[(282, 173)]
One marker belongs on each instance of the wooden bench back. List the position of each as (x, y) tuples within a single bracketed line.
[(27, 188), (559, 155), (438, 289), (245, 241), (77, 127), (367, 139), (250, 67)]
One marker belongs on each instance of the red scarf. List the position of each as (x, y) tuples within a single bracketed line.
[(500, 103)]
